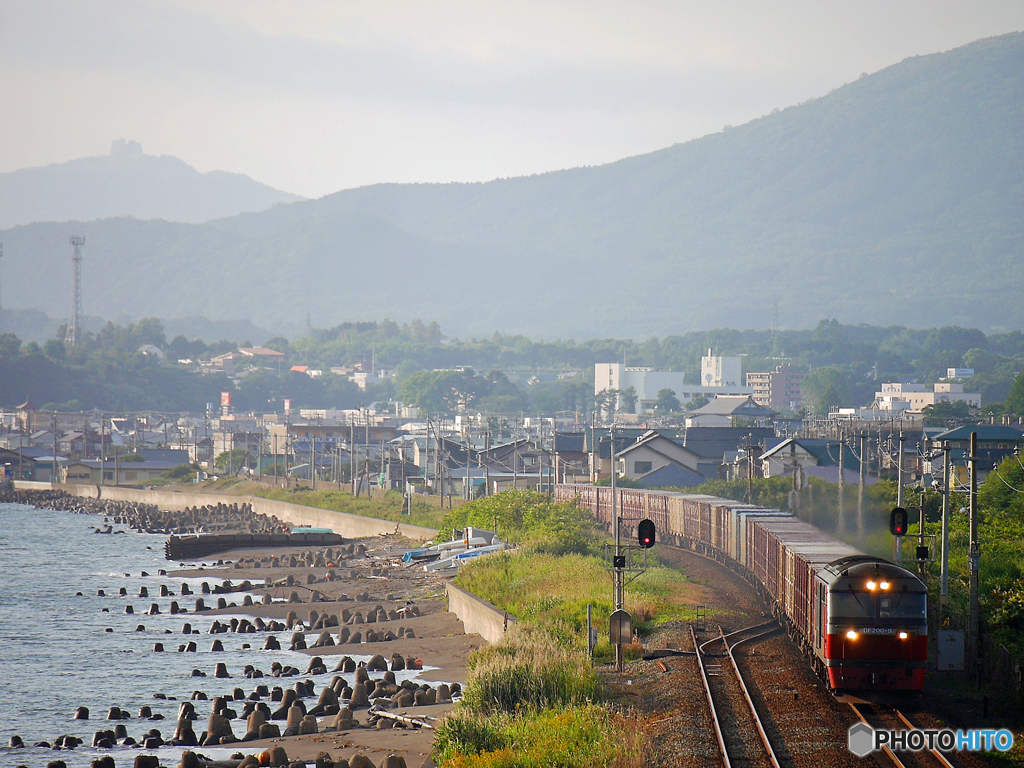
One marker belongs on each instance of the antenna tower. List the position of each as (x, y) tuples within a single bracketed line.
[(775, 316), (77, 242)]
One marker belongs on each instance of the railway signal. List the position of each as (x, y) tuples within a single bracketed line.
[(898, 521), (645, 532)]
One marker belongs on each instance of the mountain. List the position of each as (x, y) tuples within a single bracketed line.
[(129, 183), (895, 199)]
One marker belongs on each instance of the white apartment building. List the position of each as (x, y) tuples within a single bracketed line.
[(898, 397), (723, 373)]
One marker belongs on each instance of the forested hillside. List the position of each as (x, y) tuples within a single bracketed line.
[(895, 199), (129, 183)]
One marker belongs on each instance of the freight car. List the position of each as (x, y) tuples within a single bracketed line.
[(861, 620)]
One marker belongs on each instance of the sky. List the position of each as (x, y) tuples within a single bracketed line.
[(318, 96)]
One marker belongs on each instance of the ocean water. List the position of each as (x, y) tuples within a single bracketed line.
[(57, 655)]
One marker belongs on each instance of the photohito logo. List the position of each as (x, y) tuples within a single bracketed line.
[(862, 740)]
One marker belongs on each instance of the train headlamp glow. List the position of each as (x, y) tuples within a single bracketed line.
[(904, 635), (871, 586), (851, 635), (884, 585)]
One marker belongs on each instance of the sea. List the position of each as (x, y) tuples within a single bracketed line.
[(64, 645)]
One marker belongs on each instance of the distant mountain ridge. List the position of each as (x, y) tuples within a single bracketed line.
[(129, 183), (893, 200)]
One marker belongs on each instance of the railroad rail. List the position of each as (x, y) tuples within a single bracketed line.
[(726, 690), (897, 719)]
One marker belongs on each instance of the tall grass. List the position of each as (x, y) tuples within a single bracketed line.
[(585, 736), (532, 668)]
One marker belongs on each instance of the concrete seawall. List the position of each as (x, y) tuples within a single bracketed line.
[(477, 615), (350, 526)]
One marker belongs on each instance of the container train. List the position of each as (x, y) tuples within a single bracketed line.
[(861, 620)]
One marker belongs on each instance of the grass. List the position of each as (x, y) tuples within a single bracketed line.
[(577, 736), (533, 700), (555, 590)]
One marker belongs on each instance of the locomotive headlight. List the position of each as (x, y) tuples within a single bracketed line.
[(884, 585), (851, 635), (904, 635), (871, 586)]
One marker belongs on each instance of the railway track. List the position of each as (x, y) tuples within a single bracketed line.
[(741, 736), (881, 717)]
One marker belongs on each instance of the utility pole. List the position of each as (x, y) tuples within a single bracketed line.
[(53, 469), (750, 470), (860, 483), (1, 289), (352, 454), (487, 464), (897, 541), (974, 556), (944, 571), (842, 495), (618, 546)]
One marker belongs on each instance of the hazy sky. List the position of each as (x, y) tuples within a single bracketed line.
[(313, 97)]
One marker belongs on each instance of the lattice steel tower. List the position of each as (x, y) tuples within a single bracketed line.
[(77, 242)]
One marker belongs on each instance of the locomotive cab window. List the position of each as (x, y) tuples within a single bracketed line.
[(867, 605)]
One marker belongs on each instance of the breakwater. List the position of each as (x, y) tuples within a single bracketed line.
[(196, 547)]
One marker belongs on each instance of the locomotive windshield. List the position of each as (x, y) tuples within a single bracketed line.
[(873, 605)]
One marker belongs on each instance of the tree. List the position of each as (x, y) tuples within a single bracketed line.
[(941, 414), (627, 400), (1014, 403), (605, 400), (824, 388), (667, 401)]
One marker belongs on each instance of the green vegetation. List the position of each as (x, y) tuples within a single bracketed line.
[(390, 507), (532, 700), (848, 363), (554, 591), (527, 518), (585, 736)]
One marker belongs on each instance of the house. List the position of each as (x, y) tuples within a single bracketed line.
[(995, 443), (726, 410), (712, 444), (97, 472), (813, 457), (654, 452), (571, 459)]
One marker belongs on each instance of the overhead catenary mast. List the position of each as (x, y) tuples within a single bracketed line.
[(70, 337)]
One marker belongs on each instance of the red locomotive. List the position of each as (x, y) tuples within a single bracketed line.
[(862, 621)]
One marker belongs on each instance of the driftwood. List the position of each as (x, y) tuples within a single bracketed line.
[(414, 722)]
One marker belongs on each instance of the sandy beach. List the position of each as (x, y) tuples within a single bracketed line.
[(439, 640)]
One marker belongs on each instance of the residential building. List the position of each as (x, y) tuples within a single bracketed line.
[(722, 372), (778, 389), (726, 410), (653, 452), (911, 396)]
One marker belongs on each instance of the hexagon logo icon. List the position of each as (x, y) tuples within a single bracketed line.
[(860, 739)]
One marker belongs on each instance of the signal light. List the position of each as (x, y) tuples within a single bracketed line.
[(898, 521), (645, 533)]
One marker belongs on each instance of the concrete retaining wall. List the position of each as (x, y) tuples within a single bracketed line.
[(477, 615), (350, 526)]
